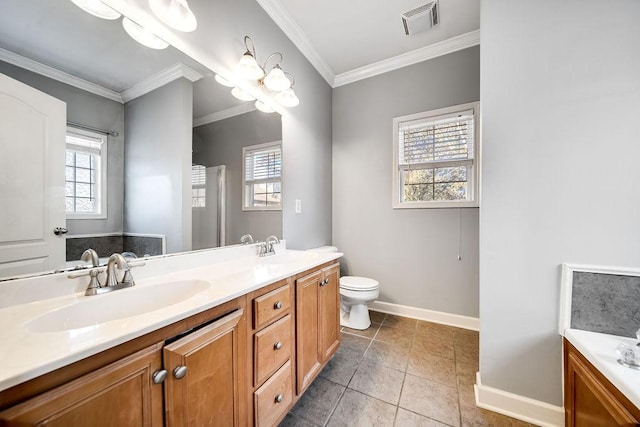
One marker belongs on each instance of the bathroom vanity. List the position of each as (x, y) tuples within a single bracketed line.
[(239, 349), (597, 390)]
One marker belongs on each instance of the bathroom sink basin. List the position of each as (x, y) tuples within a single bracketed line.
[(291, 257), (115, 305)]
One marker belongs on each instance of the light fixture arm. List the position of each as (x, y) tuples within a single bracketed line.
[(251, 50), (264, 67), (293, 79)]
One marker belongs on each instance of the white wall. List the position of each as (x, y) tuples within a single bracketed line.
[(411, 252), (157, 195), (561, 105)]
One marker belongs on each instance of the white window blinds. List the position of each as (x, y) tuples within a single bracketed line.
[(263, 164), (438, 139), (262, 189)]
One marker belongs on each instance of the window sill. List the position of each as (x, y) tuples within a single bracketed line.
[(246, 209), (86, 216), (436, 205)]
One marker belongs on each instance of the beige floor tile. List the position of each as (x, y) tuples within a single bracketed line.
[(357, 409), (467, 354), (472, 416), (370, 332), (388, 355), (431, 399), (399, 322), (429, 328), (434, 368), (406, 418), (294, 421), (342, 366), (318, 401), (378, 381), (397, 336), (465, 337), (436, 345), (376, 316), (355, 343), (466, 373)]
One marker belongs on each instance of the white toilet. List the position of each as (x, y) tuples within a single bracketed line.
[(355, 294)]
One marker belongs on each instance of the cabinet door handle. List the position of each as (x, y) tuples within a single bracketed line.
[(180, 372), (277, 306), (277, 345), (324, 282), (159, 376), (279, 398)]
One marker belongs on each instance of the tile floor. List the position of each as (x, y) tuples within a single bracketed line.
[(399, 372)]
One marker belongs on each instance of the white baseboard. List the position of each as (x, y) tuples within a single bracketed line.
[(456, 320), (516, 406)]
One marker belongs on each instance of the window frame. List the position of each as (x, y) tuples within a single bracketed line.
[(101, 190), (473, 178), (250, 148)]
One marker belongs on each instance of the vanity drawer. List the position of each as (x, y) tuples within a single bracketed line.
[(272, 347), (271, 306), (273, 399)]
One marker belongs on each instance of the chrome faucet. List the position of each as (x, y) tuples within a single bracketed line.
[(266, 248), (247, 239), (116, 262)]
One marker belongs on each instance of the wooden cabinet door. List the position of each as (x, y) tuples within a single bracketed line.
[(209, 392), (329, 308), (307, 334), (120, 394), (588, 403)]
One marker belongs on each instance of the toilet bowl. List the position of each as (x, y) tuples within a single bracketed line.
[(355, 295)]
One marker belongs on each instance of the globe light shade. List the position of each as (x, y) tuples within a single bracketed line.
[(142, 35), (287, 98), (264, 107), (223, 81), (248, 68), (175, 13), (276, 81), (97, 8), (241, 94)]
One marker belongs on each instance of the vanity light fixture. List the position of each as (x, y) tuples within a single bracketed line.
[(275, 83), (97, 8), (175, 13), (142, 35)]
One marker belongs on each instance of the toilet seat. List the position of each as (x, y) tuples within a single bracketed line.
[(356, 283)]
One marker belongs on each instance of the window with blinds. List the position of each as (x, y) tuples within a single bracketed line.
[(262, 171), (198, 186), (85, 174), (435, 162)]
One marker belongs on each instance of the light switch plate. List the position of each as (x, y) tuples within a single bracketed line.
[(298, 206)]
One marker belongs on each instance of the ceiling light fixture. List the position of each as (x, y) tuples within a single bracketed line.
[(142, 35), (97, 8), (175, 13), (274, 84)]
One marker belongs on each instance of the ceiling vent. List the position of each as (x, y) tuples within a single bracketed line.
[(421, 18)]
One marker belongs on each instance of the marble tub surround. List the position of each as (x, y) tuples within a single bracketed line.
[(600, 350), (106, 245), (399, 372), (230, 272)]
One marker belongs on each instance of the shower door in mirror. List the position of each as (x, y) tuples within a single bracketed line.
[(32, 142)]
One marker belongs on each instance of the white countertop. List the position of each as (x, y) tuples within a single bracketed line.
[(25, 354), (600, 350)]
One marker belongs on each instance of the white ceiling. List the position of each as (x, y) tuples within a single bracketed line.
[(342, 36)]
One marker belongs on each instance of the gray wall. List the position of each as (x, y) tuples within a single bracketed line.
[(158, 164), (560, 106), (306, 129), (95, 111), (412, 252), (220, 143)]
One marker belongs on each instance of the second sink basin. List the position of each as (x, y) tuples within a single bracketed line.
[(290, 257), (94, 310)]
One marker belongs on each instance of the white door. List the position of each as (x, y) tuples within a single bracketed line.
[(32, 147), (208, 221)]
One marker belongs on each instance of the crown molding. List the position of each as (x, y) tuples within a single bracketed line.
[(445, 47), (61, 76), (160, 79), (286, 23), (224, 114)]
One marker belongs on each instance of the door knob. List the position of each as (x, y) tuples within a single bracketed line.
[(180, 372), (60, 230)]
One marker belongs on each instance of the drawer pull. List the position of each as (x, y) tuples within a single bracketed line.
[(279, 398), (277, 306), (277, 345), (324, 282), (159, 376), (180, 372)]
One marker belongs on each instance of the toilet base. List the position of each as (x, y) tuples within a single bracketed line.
[(356, 318)]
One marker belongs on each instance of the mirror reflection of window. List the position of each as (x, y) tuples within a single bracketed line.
[(85, 174), (198, 186), (262, 185)]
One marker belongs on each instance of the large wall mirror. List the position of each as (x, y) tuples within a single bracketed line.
[(143, 152)]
